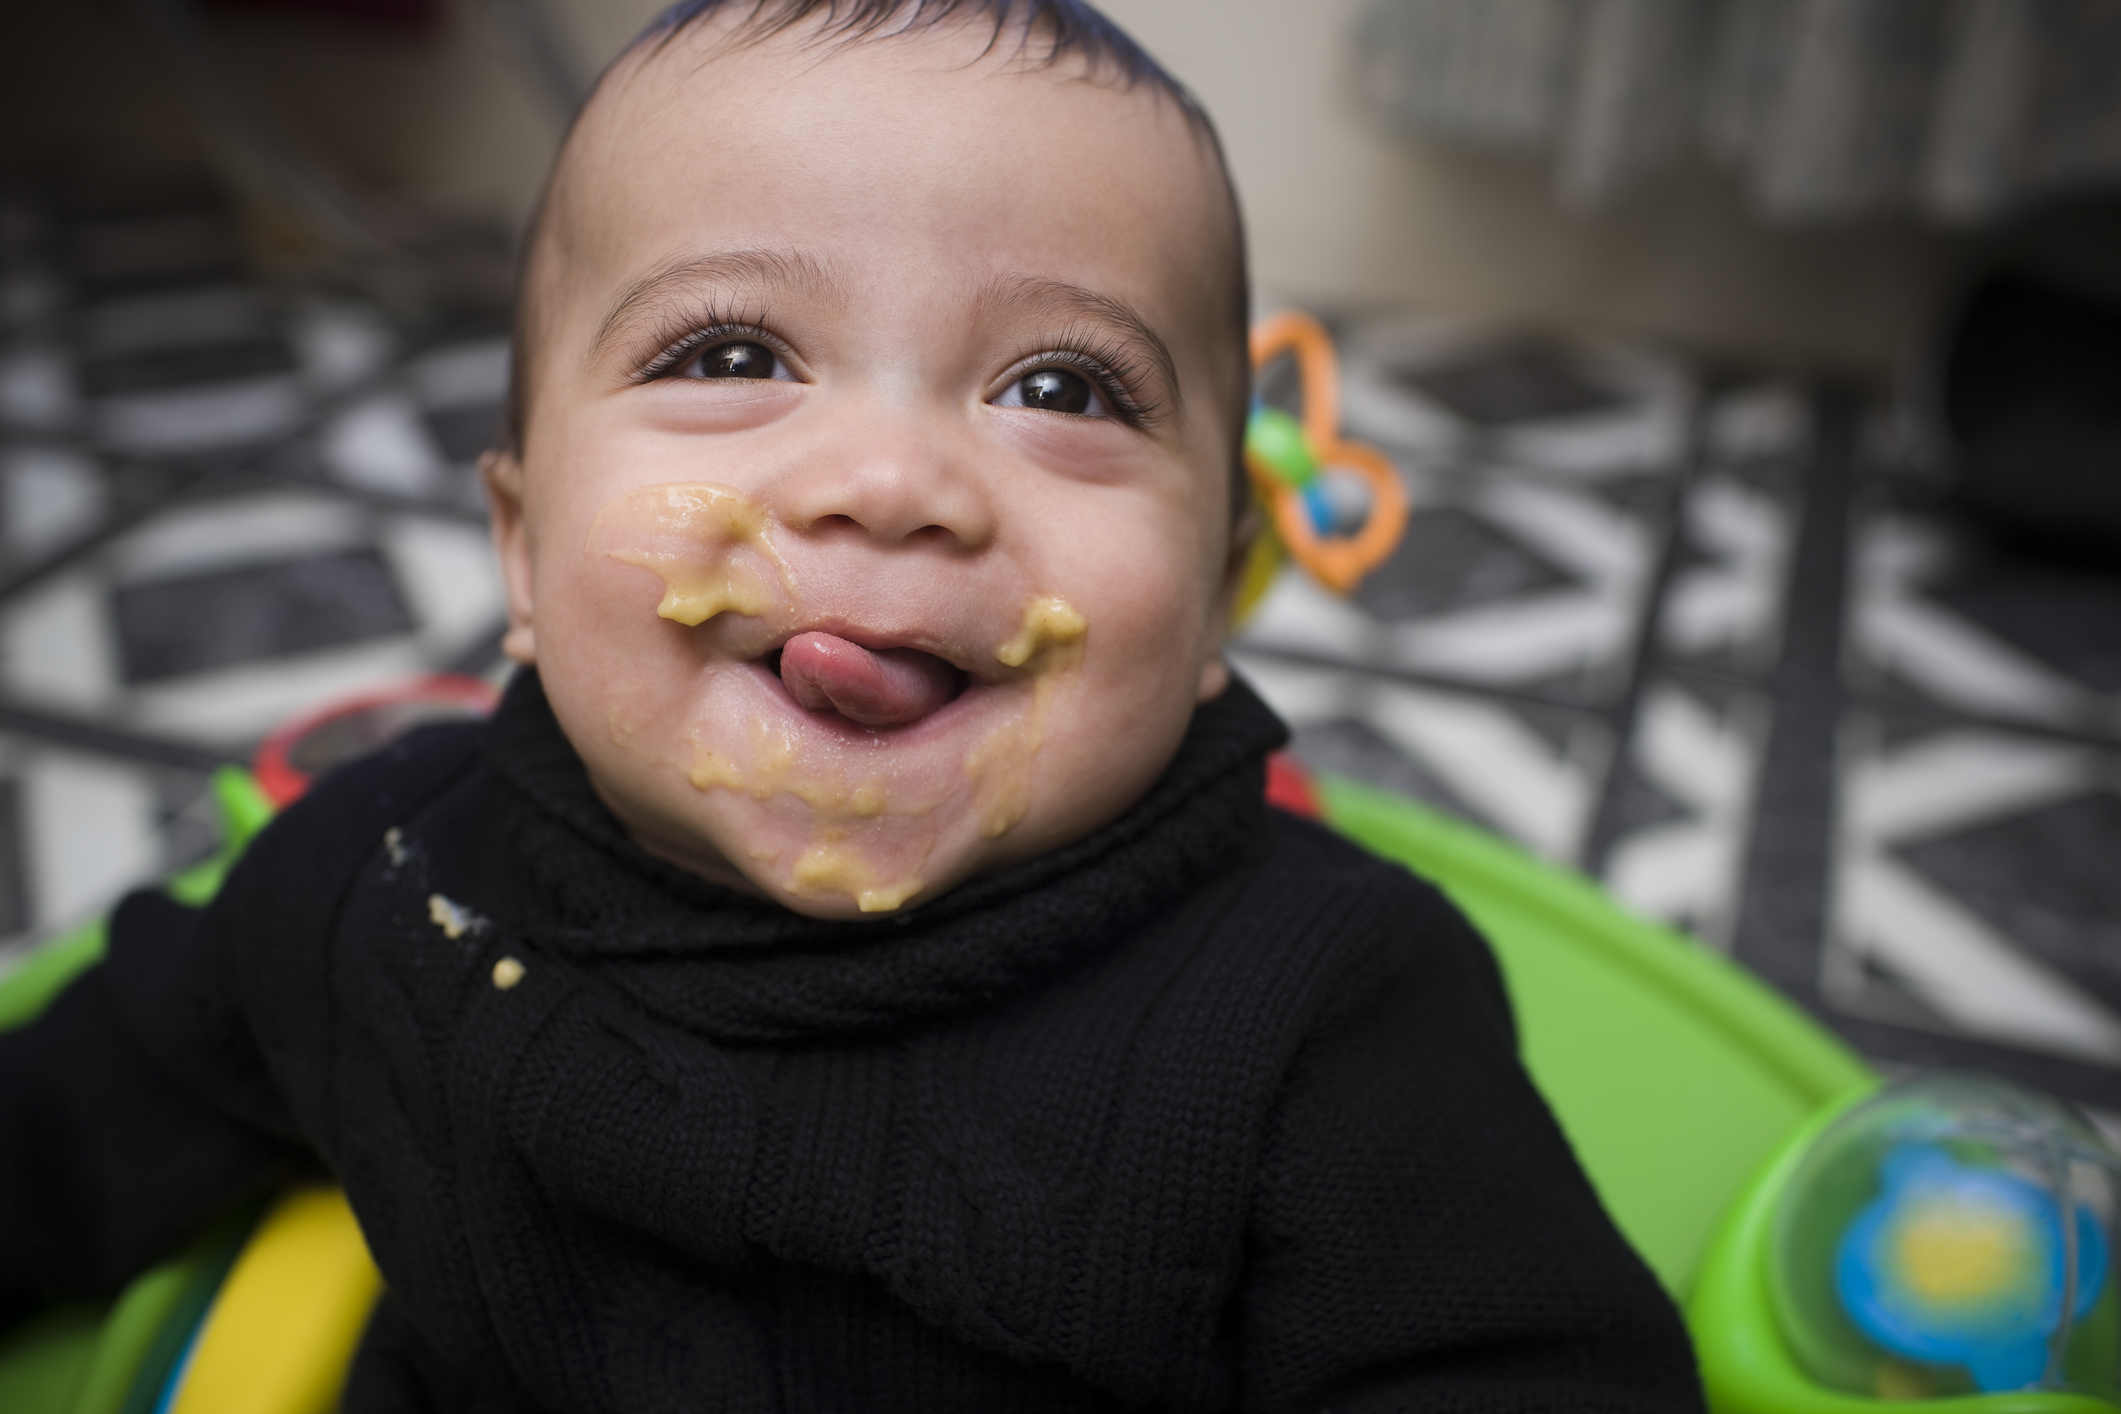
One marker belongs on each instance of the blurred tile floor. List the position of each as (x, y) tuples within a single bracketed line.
[(1712, 642), (222, 501), (1699, 636)]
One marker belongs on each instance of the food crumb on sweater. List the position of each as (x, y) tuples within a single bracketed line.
[(453, 918)]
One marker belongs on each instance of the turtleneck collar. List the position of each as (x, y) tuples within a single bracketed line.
[(740, 967)]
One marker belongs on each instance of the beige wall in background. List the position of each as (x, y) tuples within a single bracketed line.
[(1340, 214)]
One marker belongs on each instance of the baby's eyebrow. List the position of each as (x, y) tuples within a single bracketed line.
[(1058, 296), (756, 269)]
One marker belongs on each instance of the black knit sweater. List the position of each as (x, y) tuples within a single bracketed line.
[(1209, 1110)]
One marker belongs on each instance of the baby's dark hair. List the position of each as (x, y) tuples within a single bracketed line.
[(1046, 33)]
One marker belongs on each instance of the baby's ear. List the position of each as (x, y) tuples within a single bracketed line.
[(1214, 672), (502, 472)]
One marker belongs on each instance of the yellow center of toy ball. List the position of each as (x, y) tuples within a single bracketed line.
[(1955, 1253)]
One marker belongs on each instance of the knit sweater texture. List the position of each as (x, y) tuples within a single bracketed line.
[(1208, 1110)]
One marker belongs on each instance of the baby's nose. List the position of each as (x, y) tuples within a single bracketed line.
[(891, 687), (897, 481)]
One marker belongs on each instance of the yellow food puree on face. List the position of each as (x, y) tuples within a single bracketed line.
[(830, 863), (833, 866), (776, 769), (685, 533), (1050, 639), (1049, 622), (701, 578)]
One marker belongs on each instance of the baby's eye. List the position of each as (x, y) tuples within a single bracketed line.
[(737, 359), (1055, 390)]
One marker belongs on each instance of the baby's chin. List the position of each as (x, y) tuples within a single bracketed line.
[(724, 772)]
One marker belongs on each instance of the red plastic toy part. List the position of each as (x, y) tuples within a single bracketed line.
[(305, 748), (1289, 786)]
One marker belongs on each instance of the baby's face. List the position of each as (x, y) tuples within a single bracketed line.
[(872, 525)]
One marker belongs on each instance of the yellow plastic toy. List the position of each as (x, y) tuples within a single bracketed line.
[(280, 1336)]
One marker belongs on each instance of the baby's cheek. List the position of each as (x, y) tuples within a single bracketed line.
[(1110, 724), (1151, 606)]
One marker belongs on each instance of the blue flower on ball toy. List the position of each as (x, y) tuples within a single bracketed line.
[(1954, 1264)]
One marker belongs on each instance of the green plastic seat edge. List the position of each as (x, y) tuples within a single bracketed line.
[(32, 985), (85, 1358), (29, 989), (90, 1358), (1459, 856), (1745, 1367), (43, 1361), (152, 1322)]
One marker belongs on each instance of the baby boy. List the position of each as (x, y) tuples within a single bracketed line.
[(856, 969)]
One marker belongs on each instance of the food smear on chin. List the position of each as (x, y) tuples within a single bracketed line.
[(778, 766), (1048, 645), (852, 829), (862, 843), (833, 866), (709, 544)]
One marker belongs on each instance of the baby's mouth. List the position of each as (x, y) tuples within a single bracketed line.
[(871, 687)]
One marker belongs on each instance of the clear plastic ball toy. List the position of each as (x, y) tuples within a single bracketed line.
[(1952, 1235)]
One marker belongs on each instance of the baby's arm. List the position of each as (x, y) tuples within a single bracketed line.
[(110, 1157), (1422, 1235)]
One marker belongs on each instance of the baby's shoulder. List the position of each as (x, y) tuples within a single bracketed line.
[(302, 861), (1314, 890), (1305, 852), (1302, 929)]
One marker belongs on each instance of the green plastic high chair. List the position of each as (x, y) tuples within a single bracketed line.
[(1686, 1086)]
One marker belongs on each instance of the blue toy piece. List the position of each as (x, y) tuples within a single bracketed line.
[(1910, 1245), (1957, 1265), (1324, 519)]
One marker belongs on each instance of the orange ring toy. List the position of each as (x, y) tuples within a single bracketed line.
[(1338, 562)]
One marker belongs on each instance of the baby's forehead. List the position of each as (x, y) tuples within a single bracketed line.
[(717, 68), (681, 136)]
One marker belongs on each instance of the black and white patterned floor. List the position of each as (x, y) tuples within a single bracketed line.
[(222, 501), (1697, 635), (1710, 641)]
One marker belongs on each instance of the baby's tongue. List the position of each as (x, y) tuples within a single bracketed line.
[(876, 687)]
